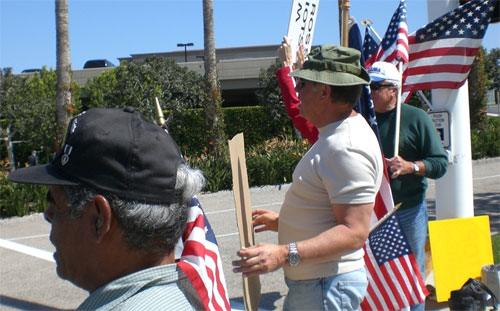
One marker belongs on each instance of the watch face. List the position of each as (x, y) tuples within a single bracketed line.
[(293, 259)]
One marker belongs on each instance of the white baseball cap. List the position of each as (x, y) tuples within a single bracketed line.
[(382, 71)]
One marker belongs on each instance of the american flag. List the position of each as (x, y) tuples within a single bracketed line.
[(408, 272), (442, 52), (394, 45), (365, 103), (371, 42), (390, 259), (200, 260)]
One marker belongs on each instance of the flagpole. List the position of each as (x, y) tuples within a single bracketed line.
[(398, 114), (387, 215), (345, 22), (159, 112), (368, 24)]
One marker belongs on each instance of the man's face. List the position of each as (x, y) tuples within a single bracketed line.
[(384, 96), (309, 96), (70, 237)]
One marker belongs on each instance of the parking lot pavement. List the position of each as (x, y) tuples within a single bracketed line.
[(29, 281)]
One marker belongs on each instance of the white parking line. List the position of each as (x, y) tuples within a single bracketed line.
[(232, 209), (48, 255), (28, 250), (269, 204), (221, 211), (29, 237), (227, 234), (486, 177)]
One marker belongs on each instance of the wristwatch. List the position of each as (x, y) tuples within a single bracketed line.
[(293, 255), (415, 168)]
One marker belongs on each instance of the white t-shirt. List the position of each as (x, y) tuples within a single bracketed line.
[(344, 166)]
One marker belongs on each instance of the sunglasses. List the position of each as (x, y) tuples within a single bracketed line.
[(300, 83), (377, 86)]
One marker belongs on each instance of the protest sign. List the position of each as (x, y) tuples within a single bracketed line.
[(251, 285), (301, 25)]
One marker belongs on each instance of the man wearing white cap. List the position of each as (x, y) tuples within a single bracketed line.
[(421, 155)]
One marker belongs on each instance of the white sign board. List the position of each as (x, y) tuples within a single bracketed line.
[(301, 26), (442, 124)]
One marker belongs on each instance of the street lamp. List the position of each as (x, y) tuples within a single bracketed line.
[(185, 45)]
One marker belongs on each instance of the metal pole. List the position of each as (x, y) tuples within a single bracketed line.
[(185, 45), (345, 22)]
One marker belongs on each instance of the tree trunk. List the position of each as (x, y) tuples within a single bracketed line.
[(63, 94), (213, 110), (10, 149), (477, 92)]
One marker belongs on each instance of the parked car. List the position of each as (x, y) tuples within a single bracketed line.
[(98, 63), (31, 70)]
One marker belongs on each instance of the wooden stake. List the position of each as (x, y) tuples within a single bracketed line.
[(251, 285)]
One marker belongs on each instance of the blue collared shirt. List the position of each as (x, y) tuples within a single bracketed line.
[(159, 288)]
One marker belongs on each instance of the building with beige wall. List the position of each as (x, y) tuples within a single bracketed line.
[(238, 69)]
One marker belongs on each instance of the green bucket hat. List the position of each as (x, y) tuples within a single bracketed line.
[(334, 65)]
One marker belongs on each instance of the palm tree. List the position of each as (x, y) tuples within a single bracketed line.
[(213, 110), (63, 93)]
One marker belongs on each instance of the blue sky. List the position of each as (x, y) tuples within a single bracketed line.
[(117, 28)]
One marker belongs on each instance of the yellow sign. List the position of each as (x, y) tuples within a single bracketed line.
[(459, 247)]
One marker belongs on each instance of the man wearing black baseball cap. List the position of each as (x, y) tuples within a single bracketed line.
[(118, 198)]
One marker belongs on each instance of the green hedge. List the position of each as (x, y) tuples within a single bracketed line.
[(269, 163), (254, 122), (485, 140), (269, 160), (20, 199), (495, 241)]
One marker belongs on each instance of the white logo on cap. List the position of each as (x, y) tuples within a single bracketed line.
[(73, 125), (65, 156)]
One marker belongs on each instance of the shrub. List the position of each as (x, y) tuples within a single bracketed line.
[(271, 162), (20, 199), (274, 161), (256, 124), (269, 95), (485, 139), (217, 170), (138, 83), (495, 241)]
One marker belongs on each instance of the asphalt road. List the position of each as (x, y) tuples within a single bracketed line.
[(28, 280)]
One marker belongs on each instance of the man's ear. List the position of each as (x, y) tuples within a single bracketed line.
[(103, 217), (326, 91)]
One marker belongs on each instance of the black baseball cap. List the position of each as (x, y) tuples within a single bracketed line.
[(115, 151)]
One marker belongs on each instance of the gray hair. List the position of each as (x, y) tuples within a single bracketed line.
[(153, 228), (346, 94)]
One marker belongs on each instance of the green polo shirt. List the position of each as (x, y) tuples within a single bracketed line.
[(418, 141)]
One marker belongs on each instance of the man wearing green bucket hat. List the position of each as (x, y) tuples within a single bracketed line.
[(324, 220)]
